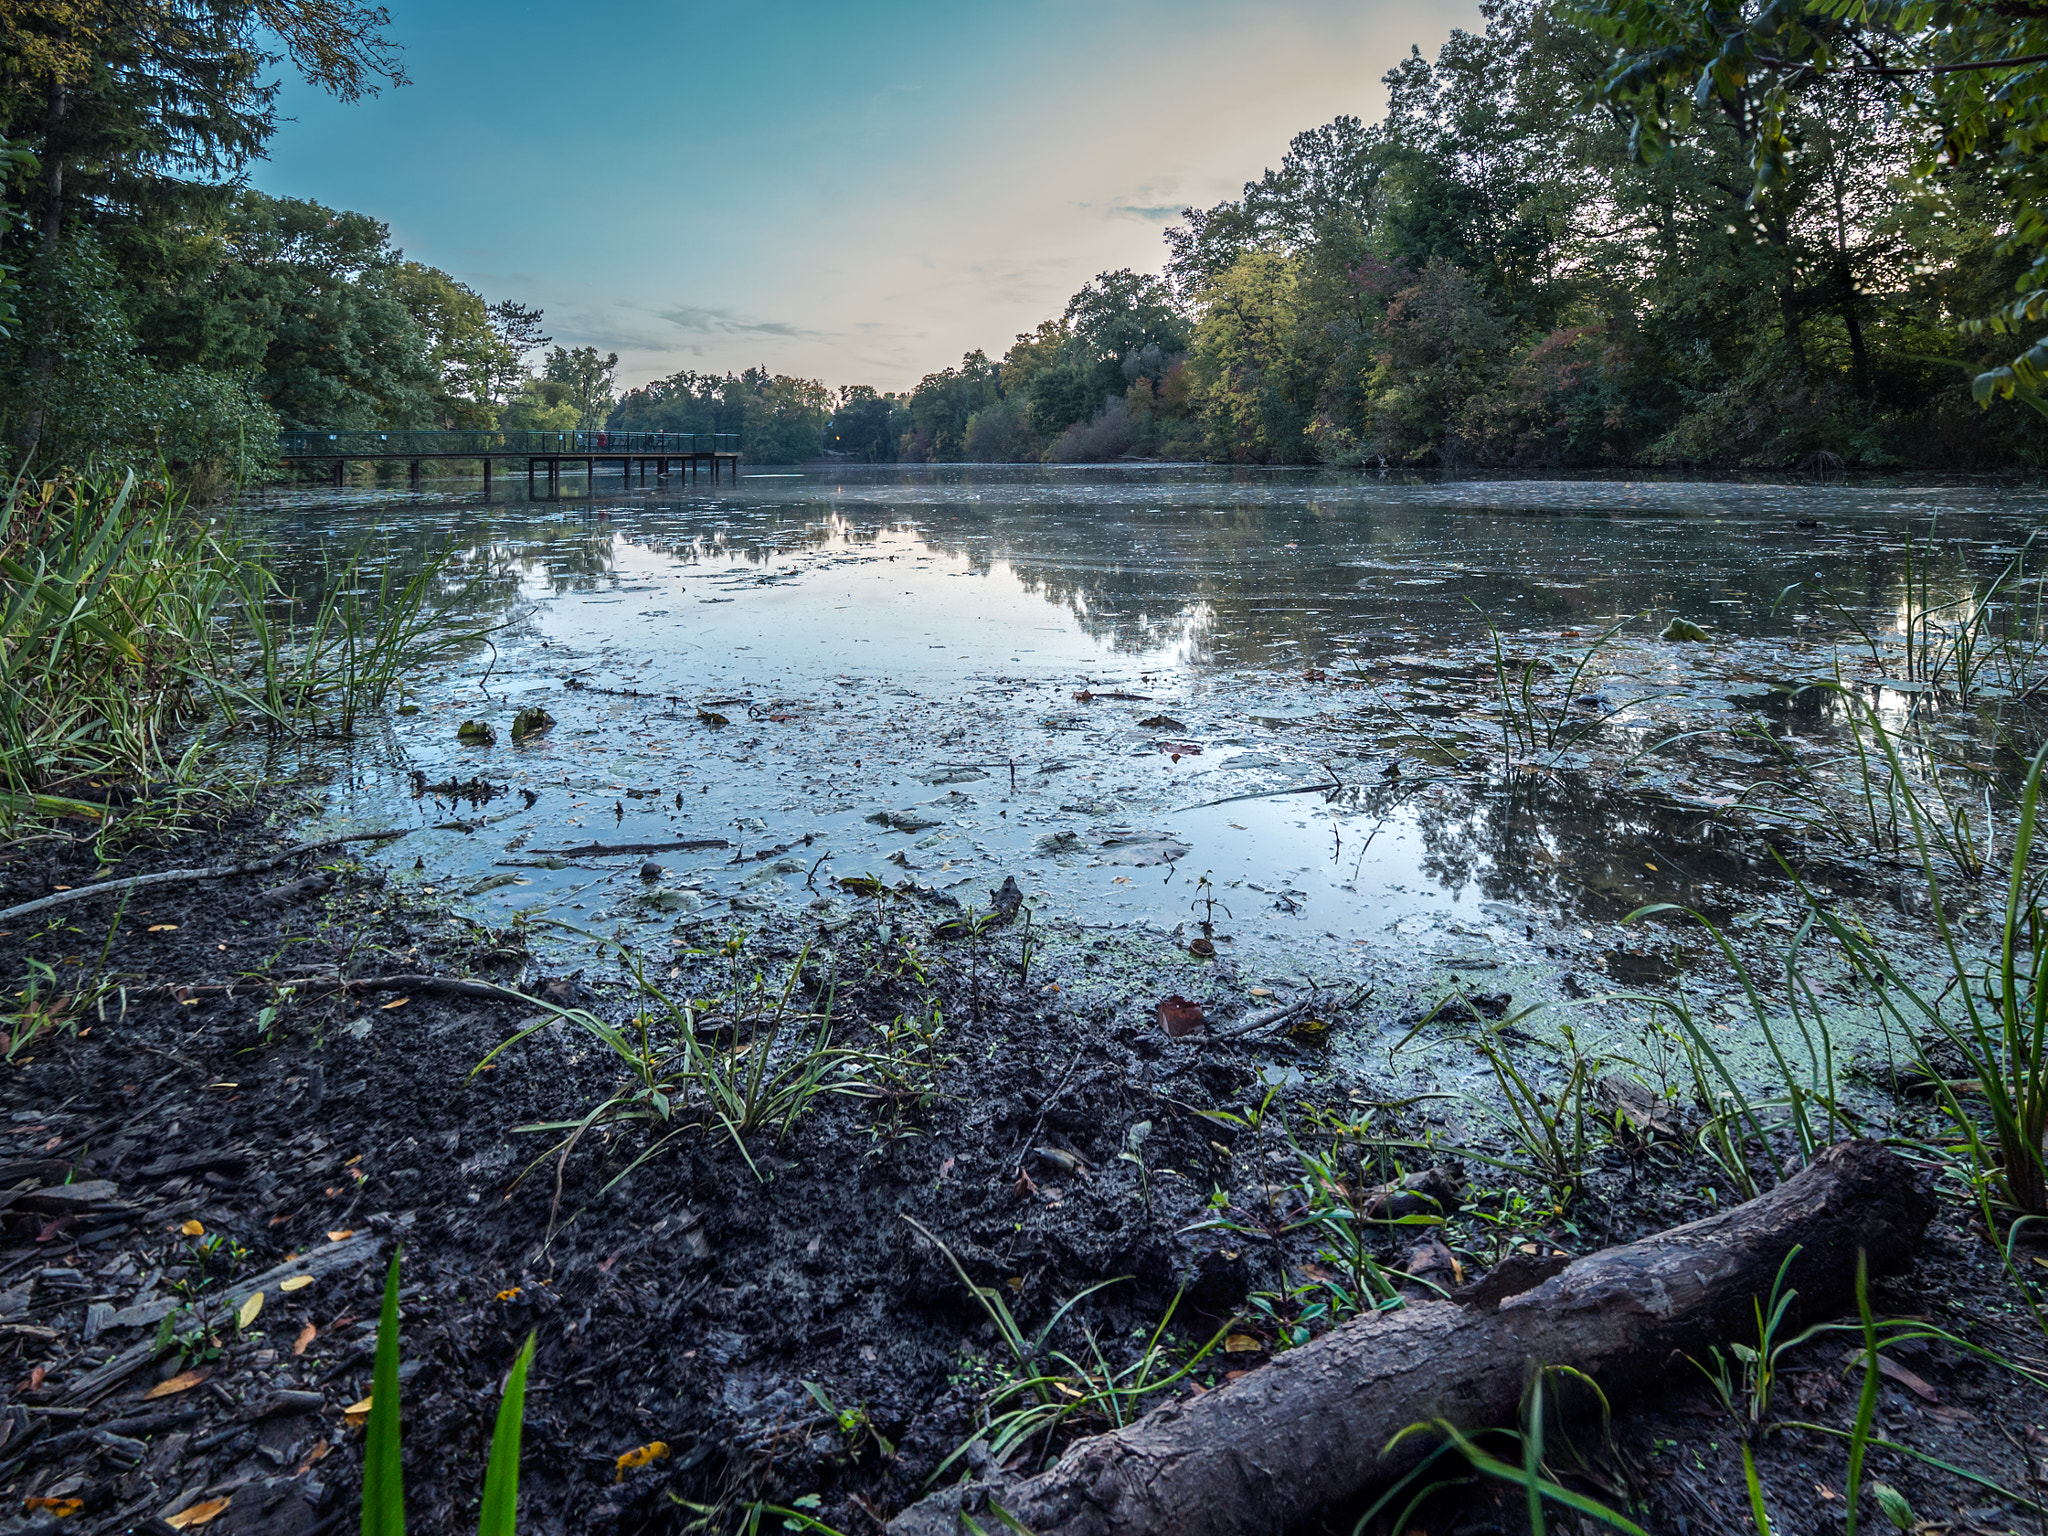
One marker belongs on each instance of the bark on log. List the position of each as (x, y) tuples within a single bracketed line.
[(1311, 1428)]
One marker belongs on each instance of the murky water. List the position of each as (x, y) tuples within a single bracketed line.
[(1115, 684)]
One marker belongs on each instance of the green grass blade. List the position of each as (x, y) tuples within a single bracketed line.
[(383, 1475), (501, 1479)]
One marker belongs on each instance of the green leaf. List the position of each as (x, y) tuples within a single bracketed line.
[(383, 1475), (1894, 1505), (501, 1478)]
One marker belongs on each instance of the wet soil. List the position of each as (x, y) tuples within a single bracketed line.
[(764, 1308)]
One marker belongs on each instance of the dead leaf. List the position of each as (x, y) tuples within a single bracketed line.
[(319, 1450), (251, 1309), (163, 927), (358, 1413), (396, 1002), (306, 1336), (342, 1235), (1178, 1016), (184, 1381), (640, 1456), (1891, 1370), (193, 1229), (509, 1295), (1202, 949), (1242, 1344), (63, 1509), (296, 1283), (197, 1514)]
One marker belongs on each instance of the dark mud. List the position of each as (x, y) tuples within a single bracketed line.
[(697, 1299)]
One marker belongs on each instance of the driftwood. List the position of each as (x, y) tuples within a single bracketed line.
[(1312, 1427), (182, 876)]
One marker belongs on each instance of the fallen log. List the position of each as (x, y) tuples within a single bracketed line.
[(1313, 1427)]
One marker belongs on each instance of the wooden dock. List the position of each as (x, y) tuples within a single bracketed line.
[(685, 455)]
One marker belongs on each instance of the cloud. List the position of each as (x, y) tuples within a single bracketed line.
[(699, 320), (1154, 213)]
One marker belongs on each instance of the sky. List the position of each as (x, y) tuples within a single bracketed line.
[(854, 193)]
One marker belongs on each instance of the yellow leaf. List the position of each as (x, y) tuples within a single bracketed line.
[(335, 1237), (511, 1295), (163, 927), (193, 1229), (1242, 1344), (396, 1002), (63, 1509), (296, 1283), (357, 1413), (197, 1514), (306, 1336), (184, 1381), (640, 1456), (251, 1309)]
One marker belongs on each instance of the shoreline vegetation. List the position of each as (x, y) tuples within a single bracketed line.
[(1532, 259)]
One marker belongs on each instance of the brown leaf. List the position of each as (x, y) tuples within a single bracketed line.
[(1891, 1370), (1178, 1016), (197, 1514), (1242, 1344), (305, 1339), (184, 1381)]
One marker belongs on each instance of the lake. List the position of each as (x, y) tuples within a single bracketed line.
[(1135, 690)]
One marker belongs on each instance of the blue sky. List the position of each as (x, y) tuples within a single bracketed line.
[(852, 193)]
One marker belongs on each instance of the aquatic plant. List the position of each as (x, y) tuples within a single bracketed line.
[(320, 672), (109, 588), (383, 1501)]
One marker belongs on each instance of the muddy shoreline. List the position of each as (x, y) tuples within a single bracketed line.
[(692, 1301)]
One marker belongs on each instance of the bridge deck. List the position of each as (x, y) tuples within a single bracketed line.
[(690, 451)]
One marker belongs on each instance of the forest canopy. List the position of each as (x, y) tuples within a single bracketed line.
[(1608, 233)]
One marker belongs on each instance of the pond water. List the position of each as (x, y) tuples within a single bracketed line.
[(1115, 685)]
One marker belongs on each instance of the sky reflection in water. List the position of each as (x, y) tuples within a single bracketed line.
[(901, 640)]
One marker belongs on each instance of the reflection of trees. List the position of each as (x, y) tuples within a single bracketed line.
[(1567, 844), (1222, 567)]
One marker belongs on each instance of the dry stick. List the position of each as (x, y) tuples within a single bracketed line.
[(433, 986), (1024, 1148), (683, 845), (215, 872), (1266, 1020)]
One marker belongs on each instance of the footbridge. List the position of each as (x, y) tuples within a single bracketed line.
[(660, 454)]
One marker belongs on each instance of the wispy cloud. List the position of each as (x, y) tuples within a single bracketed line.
[(700, 320)]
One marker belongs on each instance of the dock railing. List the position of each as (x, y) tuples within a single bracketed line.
[(508, 445)]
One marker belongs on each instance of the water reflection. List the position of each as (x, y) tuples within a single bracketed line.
[(915, 641)]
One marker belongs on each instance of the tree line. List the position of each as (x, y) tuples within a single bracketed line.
[(1614, 233)]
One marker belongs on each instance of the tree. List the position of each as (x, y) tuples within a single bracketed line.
[(589, 378), (1964, 78), (466, 351)]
